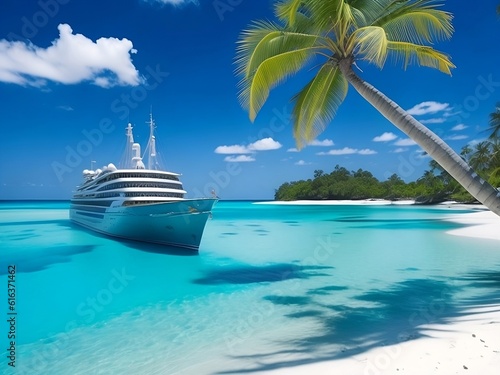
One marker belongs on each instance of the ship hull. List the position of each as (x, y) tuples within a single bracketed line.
[(177, 223)]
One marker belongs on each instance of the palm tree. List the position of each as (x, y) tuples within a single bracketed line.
[(495, 156), (481, 157), (494, 178), (495, 123), (332, 35), (466, 152)]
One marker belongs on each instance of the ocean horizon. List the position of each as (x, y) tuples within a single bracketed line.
[(272, 286)]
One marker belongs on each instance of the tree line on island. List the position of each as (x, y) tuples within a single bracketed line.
[(434, 186)]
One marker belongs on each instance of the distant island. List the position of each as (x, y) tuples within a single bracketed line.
[(342, 184)]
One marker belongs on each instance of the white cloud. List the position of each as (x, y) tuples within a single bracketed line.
[(348, 151), (323, 143), (405, 142), (265, 144), (302, 162), (400, 149), (293, 149), (429, 107), (433, 121), (367, 151), (71, 59), (457, 137), (459, 127), (239, 159), (386, 137), (234, 149)]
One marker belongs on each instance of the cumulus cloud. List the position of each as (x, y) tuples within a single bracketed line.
[(323, 143), (348, 151), (386, 137), (264, 144), (71, 59), (405, 142), (293, 149), (459, 127), (428, 107), (367, 151), (239, 159), (234, 149), (302, 162)]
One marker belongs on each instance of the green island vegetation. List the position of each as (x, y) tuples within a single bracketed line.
[(435, 185)]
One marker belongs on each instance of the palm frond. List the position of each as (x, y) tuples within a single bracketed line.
[(421, 55), (344, 13), (287, 10), (317, 103), (267, 55), (328, 14), (249, 62), (254, 90), (416, 22), (250, 38), (370, 43), (258, 44), (366, 11)]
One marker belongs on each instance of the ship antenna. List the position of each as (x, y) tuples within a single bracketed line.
[(152, 142)]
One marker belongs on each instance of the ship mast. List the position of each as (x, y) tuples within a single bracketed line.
[(152, 163), (126, 161)]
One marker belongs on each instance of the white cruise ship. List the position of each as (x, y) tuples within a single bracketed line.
[(140, 202)]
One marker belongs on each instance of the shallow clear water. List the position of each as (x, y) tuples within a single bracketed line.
[(272, 286)]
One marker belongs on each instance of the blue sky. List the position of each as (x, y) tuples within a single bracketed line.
[(73, 73)]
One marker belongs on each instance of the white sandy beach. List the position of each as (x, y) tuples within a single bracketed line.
[(479, 225), (469, 344), (466, 345)]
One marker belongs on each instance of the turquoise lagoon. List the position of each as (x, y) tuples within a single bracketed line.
[(272, 286)]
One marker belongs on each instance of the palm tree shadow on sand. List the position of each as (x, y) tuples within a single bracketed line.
[(395, 315)]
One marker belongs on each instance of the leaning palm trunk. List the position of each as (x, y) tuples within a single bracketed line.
[(426, 139)]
